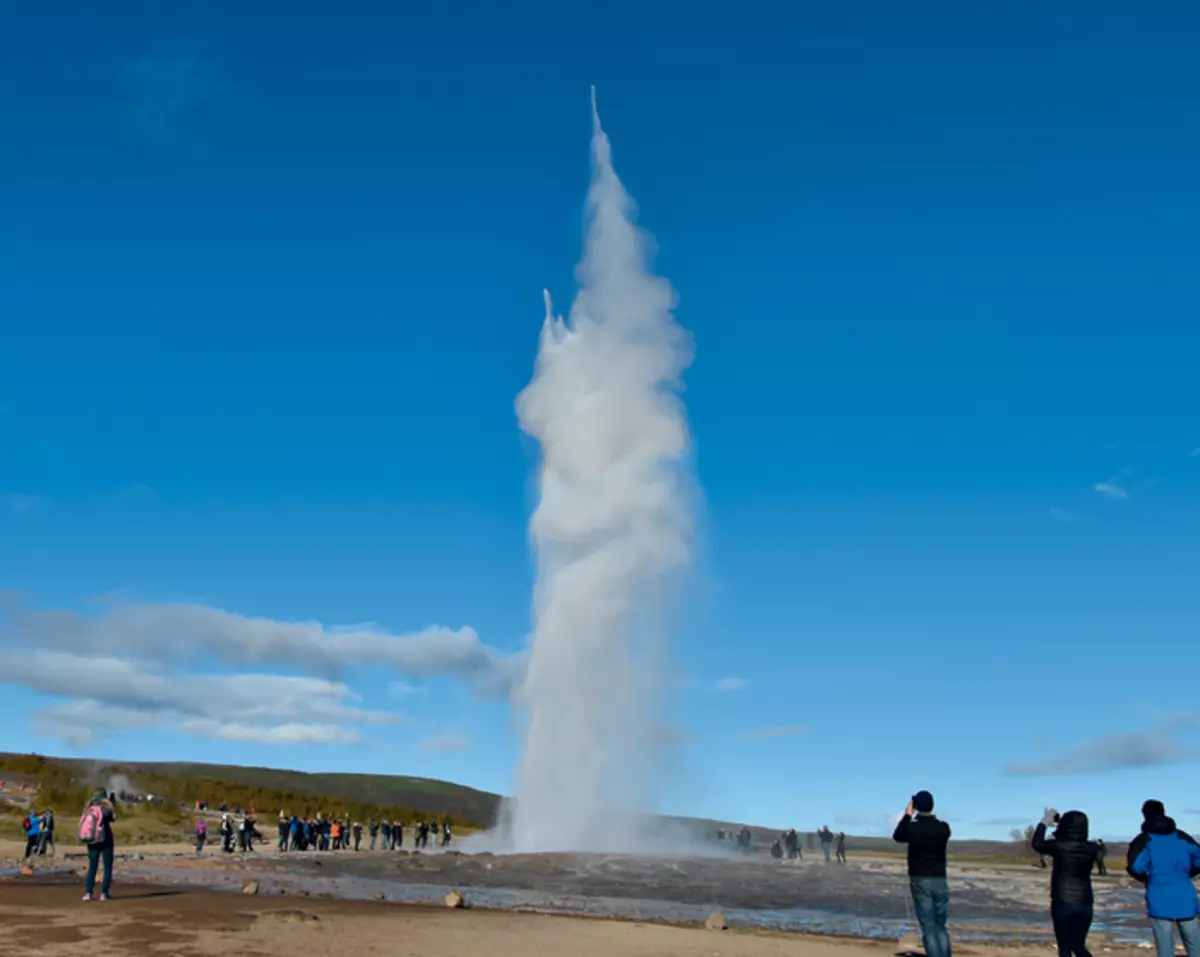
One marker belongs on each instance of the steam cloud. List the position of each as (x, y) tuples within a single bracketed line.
[(612, 531)]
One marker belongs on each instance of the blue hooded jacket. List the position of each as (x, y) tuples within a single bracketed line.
[(1168, 861)]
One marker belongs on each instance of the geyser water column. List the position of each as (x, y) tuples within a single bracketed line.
[(612, 533)]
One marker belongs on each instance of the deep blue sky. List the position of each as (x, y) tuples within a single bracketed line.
[(270, 282)]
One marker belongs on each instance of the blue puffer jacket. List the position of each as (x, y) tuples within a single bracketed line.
[(1168, 861)]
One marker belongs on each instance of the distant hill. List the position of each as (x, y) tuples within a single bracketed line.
[(382, 790)]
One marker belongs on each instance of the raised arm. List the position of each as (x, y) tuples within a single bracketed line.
[(1040, 844), (900, 835)]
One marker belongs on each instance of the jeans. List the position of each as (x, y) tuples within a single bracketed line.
[(1071, 926), (825, 847), (95, 853), (931, 898), (1164, 936), (374, 837)]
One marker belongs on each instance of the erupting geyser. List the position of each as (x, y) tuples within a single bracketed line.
[(612, 531)]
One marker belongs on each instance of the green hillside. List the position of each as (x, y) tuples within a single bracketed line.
[(267, 789)]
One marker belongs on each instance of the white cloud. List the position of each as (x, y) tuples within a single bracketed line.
[(783, 732), (1112, 752), (446, 741), (183, 634), (730, 684), (293, 733), (1111, 490), (204, 671), (1064, 515), (108, 695), (402, 689)]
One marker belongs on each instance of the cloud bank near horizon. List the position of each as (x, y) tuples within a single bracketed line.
[(142, 665)]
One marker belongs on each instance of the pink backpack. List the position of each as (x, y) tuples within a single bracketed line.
[(91, 825)]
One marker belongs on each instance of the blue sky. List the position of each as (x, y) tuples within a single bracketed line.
[(270, 282)]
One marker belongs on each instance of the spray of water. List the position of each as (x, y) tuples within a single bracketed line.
[(611, 532)]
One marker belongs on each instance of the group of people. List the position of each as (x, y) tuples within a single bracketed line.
[(39, 833), (1162, 857), (321, 833), (788, 845), (237, 834)]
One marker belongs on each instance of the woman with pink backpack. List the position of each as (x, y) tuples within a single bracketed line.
[(95, 830)]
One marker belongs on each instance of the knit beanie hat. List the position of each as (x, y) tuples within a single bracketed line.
[(923, 802)]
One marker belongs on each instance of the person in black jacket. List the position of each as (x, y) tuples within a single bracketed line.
[(1074, 857), (927, 838), (1152, 812)]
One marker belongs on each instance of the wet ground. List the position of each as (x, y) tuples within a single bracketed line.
[(863, 899)]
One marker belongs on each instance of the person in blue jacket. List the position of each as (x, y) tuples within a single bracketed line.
[(1166, 862)]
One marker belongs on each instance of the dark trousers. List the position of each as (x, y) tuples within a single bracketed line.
[(931, 898), (1071, 926), (96, 852)]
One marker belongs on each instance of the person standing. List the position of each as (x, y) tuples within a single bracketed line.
[(841, 847), (284, 826), (927, 838), (47, 835), (97, 822), (826, 836), (1166, 863), (397, 834), (201, 835), (33, 833), (1152, 811), (1101, 851), (357, 835), (386, 828), (1074, 856)]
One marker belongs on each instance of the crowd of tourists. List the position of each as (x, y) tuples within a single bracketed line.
[(1162, 857), (322, 833)]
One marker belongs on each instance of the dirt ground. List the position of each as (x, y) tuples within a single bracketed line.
[(145, 921)]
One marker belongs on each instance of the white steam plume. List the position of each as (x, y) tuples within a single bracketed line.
[(612, 532)]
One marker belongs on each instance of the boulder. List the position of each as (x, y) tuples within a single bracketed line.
[(250, 887), (716, 921), (455, 900)]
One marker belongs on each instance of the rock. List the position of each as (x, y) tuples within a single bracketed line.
[(26, 871), (910, 943), (250, 887), (455, 899), (380, 896), (716, 921)]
